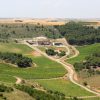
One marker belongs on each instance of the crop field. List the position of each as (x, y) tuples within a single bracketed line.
[(64, 86), (84, 51), (44, 68), (15, 48)]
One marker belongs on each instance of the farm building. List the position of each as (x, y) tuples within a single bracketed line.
[(57, 44), (32, 42), (46, 42), (39, 41)]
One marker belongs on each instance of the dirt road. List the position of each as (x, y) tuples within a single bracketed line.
[(18, 80), (67, 66)]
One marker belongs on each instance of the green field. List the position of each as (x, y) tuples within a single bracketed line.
[(64, 86), (84, 51), (45, 68), (15, 48)]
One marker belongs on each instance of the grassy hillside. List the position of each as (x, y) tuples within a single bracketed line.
[(85, 76), (17, 95), (84, 51), (15, 48), (44, 68), (64, 86)]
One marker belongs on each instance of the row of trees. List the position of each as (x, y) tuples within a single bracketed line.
[(17, 59), (79, 34), (90, 62)]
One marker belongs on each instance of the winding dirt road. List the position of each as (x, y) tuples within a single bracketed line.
[(67, 66)]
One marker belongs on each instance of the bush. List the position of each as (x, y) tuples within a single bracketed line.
[(4, 88), (62, 53)]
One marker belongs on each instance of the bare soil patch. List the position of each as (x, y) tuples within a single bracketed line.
[(36, 54)]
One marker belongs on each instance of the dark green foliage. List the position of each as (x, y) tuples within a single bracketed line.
[(4, 88), (79, 66), (78, 34), (62, 53), (17, 59), (91, 62), (41, 95), (50, 52)]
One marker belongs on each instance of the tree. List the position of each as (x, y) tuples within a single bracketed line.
[(50, 52)]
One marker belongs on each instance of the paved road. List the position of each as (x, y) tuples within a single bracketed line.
[(67, 66)]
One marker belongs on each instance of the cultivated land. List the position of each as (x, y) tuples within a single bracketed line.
[(15, 48), (44, 69), (34, 21), (50, 69), (64, 86), (67, 66)]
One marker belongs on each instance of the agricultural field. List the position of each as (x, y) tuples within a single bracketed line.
[(64, 86), (15, 48), (41, 70), (50, 69)]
